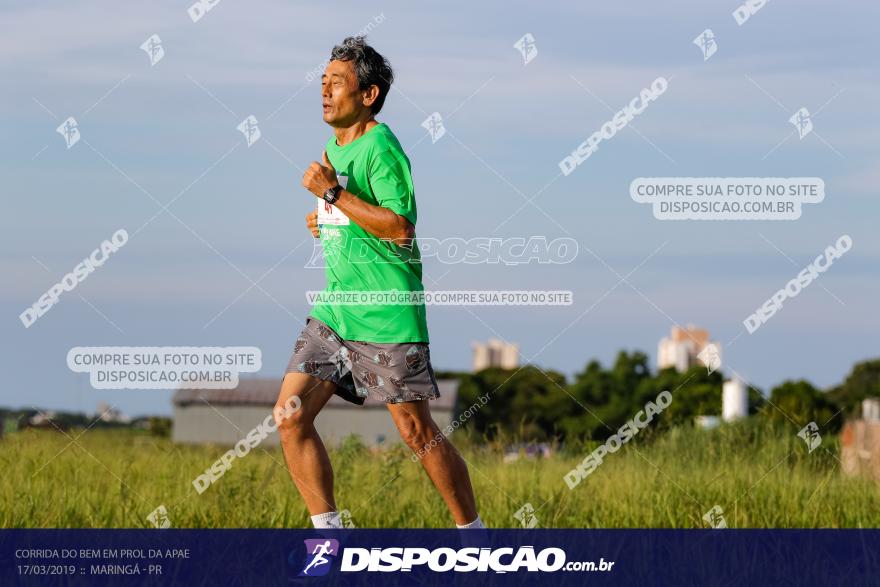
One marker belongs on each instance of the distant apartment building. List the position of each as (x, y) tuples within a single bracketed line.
[(680, 349), (495, 353)]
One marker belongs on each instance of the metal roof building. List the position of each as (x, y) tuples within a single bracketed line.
[(225, 416)]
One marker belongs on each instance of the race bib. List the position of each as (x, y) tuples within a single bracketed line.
[(330, 214)]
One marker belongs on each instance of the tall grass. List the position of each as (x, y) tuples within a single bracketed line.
[(760, 476)]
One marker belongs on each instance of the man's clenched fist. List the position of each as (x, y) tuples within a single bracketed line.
[(312, 223), (320, 178)]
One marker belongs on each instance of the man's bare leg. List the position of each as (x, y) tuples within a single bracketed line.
[(442, 462), (306, 457)]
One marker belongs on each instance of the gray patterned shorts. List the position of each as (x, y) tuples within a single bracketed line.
[(391, 373)]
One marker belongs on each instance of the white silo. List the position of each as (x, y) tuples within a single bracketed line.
[(734, 400), (871, 409)]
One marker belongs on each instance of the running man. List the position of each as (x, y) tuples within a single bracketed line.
[(367, 230), (319, 552)]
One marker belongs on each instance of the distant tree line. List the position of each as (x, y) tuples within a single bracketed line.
[(62, 421), (537, 404)]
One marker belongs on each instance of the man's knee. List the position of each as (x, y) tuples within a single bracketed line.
[(292, 420), (416, 432), (299, 401)]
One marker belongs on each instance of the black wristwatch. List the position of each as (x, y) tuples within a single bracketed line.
[(332, 194)]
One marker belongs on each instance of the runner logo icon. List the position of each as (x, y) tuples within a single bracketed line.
[(318, 553)]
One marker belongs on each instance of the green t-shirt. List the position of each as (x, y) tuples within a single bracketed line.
[(374, 168)]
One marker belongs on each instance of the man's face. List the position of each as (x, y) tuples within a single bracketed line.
[(342, 98)]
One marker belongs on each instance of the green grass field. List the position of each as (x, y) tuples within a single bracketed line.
[(760, 477)]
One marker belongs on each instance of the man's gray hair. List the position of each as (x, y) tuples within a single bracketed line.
[(370, 67)]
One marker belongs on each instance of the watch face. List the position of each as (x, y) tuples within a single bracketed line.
[(332, 194)]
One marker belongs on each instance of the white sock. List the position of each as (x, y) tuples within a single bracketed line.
[(327, 520), (477, 523)]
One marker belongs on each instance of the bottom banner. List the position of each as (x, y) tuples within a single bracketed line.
[(366, 556)]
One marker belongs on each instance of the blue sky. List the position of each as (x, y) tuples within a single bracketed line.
[(168, 131)]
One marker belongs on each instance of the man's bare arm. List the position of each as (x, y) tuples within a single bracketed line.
[(378, 221)]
